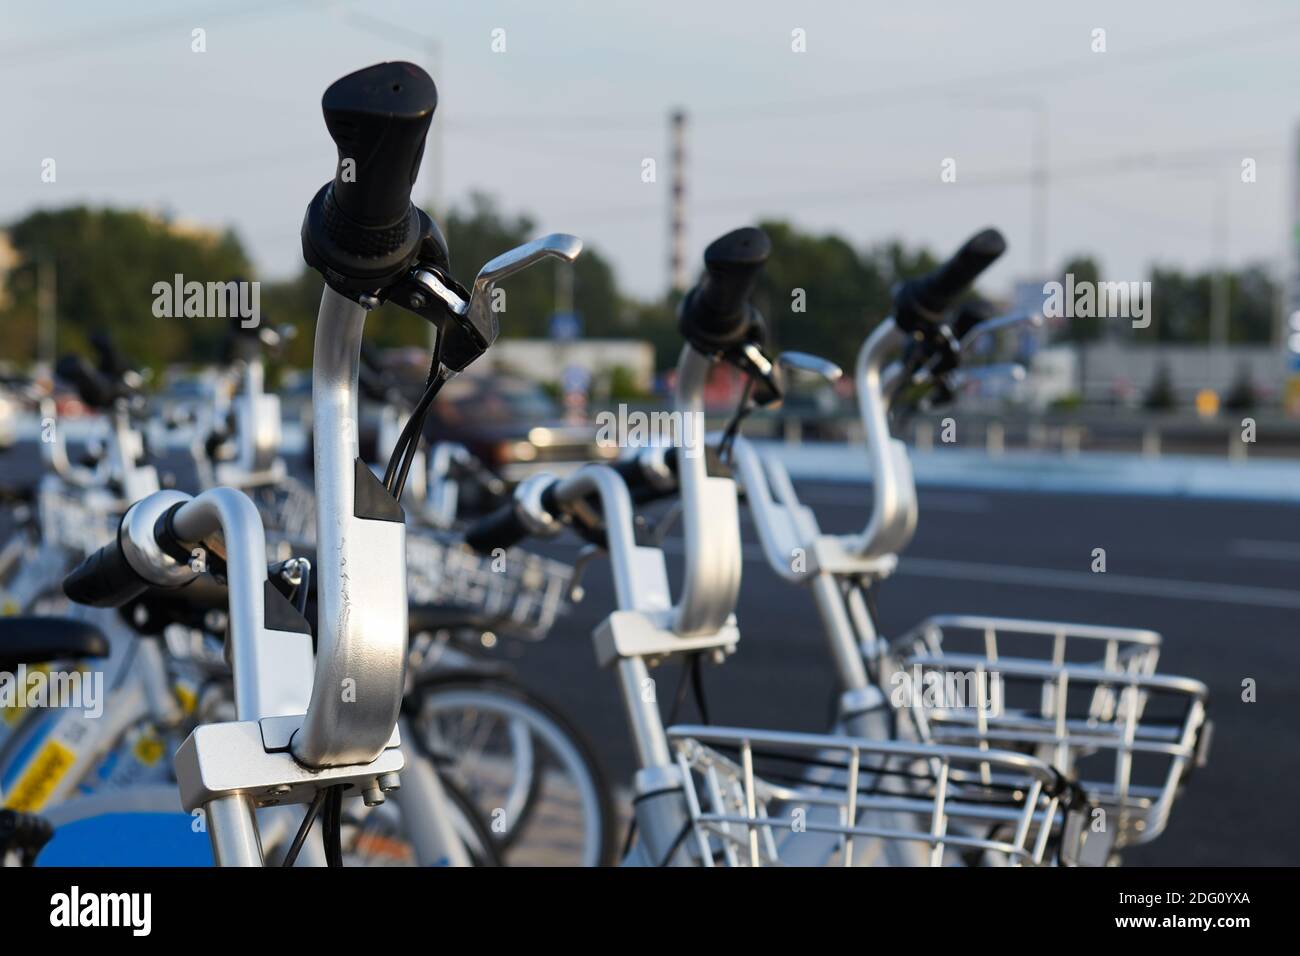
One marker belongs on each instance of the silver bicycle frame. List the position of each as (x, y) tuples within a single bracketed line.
[(647, 627), (361, 563), (296, 733)]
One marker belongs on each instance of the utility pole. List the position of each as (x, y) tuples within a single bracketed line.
[(1219, 290), (677, 212)]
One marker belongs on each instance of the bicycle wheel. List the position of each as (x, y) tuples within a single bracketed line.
[(375, 836), (529, 771)]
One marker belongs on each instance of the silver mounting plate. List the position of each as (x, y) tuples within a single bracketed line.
[(252, 757), (837, 554), (626, 634)]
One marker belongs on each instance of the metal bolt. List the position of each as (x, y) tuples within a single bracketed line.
[(417, 300), (372, 796), (389, 782)]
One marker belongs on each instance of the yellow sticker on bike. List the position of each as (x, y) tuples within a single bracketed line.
[(12, 714), (38, 781), (149, 749)]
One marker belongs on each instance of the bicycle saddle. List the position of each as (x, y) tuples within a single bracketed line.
[(33, 640)]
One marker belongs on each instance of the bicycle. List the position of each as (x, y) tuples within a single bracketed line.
[(516, 757), (700, 797), (1085, 699), (305, 733)]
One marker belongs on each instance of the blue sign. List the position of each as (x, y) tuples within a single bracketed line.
[(565, 327), (575, 378)]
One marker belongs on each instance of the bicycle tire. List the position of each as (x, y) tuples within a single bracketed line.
[(515, 695)]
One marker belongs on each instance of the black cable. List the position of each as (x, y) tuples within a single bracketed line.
[(399, 447), (677, 842), (679, 696), (313, 808), (733, 426), (399, 461), (627, 841), (422, 411), (332, 826), (697, 686)]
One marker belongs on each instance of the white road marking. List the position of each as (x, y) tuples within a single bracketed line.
[(860, 495), (1165, 588), (1213, 592), (1268, 550)]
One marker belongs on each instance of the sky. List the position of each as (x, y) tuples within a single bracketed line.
[(1145, 142)]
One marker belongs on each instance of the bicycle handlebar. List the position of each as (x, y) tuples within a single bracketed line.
[(503, 528), (714, 314), (969, 315), (650, 476), (105, 578), (94, 388), (378, 118), (362, 231), (920, 303)]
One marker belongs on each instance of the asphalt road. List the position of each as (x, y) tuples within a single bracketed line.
[(1217, 579)]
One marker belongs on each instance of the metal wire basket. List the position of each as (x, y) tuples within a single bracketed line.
[(760, 798), (78, 520), (521, 589), (288, 510), (1086, 700)]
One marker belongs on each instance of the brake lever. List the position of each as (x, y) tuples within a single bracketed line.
[(986, 373), (1033, 320), (466, 317), (574, 592), (750, 359)]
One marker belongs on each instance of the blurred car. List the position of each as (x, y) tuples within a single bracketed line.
[(9, 408), (511, 425)]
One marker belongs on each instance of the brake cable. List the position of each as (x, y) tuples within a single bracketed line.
[(743, 409), (408, 442)]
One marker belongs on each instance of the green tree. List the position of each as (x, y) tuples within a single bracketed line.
[(106, 262), (1181, 304), (821, 295)]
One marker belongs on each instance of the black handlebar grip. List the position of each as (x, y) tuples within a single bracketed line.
[(378, 118), (502, 528), (969, 315), (362, 231), (926, 298), (105, 578), (111, 361), (95, 390), (714, 314), (633, 475), (639, 486)]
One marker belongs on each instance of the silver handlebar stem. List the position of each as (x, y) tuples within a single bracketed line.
[(711, 518), (778, 531), (268, 683), (361, 568), (893, 509), (637, 587)]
